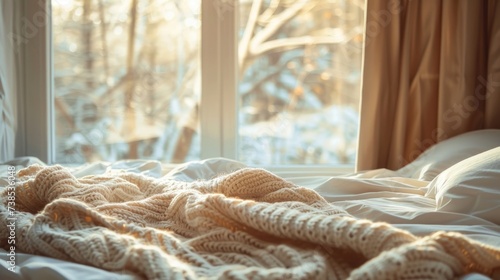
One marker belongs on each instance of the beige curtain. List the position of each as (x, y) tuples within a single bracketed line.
[(431, 71)]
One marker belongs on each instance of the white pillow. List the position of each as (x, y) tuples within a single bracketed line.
[(471, 186), (450, 151)]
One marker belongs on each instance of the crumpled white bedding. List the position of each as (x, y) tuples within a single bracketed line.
[(379, 195)]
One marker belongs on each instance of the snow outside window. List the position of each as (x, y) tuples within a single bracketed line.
[(266, 82)]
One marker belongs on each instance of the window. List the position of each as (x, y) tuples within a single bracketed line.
[(300, 68), (126, 79), (273, 83)]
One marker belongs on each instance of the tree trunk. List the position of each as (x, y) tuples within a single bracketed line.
[(130, 126)]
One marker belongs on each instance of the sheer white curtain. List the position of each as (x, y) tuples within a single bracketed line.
[(8, 87)]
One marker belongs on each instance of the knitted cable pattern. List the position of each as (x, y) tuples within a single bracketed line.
[(249, 224)]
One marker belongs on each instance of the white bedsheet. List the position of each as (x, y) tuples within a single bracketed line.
[(379, 195)]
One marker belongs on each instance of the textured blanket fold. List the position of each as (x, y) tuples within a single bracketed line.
[(248, 224)]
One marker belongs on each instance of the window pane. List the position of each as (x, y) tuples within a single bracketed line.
[(300, 68), (126, 79)]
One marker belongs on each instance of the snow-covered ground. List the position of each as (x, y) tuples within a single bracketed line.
[(328, 136)]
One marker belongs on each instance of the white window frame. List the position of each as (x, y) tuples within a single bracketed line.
[(34, 137), (219, 68), (218, 106)]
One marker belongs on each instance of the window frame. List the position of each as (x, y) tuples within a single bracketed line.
[(218, 104), (219, 70), (35, 120)]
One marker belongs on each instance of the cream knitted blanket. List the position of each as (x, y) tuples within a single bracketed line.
[(249, 224)]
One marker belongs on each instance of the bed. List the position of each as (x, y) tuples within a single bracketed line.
[(436, 218)]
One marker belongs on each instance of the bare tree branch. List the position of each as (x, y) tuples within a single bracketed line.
[(65, 111), (267, 15), (275, 24), (249, 29), (295, 42)]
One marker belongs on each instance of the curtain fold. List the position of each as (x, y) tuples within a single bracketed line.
[(8, 86), (431, 71)]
